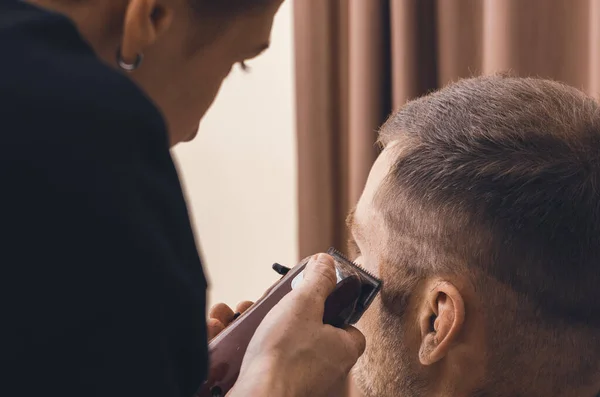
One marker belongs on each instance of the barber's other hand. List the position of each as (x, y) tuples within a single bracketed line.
[(221, 315), (293, 353)]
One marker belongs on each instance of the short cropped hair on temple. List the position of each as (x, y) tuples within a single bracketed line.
[(500, 178)]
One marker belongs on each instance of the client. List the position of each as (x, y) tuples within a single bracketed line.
[(482, 217)]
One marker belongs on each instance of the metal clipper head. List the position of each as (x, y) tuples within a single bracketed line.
[(369, 284)]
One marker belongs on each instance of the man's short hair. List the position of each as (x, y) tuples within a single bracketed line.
[(499, 177)]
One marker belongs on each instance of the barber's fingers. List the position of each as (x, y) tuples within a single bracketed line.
[(214, 328), (356, 342), (243, 306), (221, 312), (221, 315), (319, 279)]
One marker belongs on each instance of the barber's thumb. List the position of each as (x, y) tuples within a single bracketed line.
[(319, 279), (357, 342)]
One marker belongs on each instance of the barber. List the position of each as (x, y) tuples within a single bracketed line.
[(103, 292)]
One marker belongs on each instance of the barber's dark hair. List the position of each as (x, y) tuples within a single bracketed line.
[(501, 177)]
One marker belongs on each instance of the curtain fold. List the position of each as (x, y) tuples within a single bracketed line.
[(321, 46), (358, 60)]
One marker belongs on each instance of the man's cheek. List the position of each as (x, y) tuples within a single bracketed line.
[(371, 327), (369, 322), (366, 371), (372, 371)]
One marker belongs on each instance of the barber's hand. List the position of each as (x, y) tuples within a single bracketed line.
[(293, 353), (221, 315)]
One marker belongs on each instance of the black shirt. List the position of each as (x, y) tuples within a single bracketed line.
[(101, 286)]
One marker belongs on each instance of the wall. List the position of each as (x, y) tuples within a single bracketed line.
[(239, 174)]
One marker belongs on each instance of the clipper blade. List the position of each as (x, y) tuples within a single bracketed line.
[(370, 285)]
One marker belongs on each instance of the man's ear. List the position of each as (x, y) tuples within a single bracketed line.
[(145, 21), (441, 319)]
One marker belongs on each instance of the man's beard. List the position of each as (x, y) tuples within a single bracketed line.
[(388, 367)]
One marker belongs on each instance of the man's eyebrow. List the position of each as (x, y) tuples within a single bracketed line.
[(351, 221), (353, 248)]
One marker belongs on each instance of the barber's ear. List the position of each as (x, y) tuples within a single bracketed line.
[(145, 21), (441, 320)]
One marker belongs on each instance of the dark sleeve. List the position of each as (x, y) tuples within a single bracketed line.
[(103, 292)]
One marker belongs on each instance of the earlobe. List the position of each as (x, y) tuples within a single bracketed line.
[(145, 21), (441, 321)]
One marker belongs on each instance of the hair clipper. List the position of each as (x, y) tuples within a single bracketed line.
[(356, 288)]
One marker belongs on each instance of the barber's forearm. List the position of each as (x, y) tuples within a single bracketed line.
[(264, 380), (261, 386), (258, 390)]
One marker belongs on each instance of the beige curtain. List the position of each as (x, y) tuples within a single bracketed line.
[(358, 60)]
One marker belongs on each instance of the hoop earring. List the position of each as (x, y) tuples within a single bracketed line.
[(129, 67)]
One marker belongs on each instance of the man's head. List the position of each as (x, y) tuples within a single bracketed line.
[(189, 46), (482, 217)]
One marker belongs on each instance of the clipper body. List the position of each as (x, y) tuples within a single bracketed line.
[(355, 291)]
